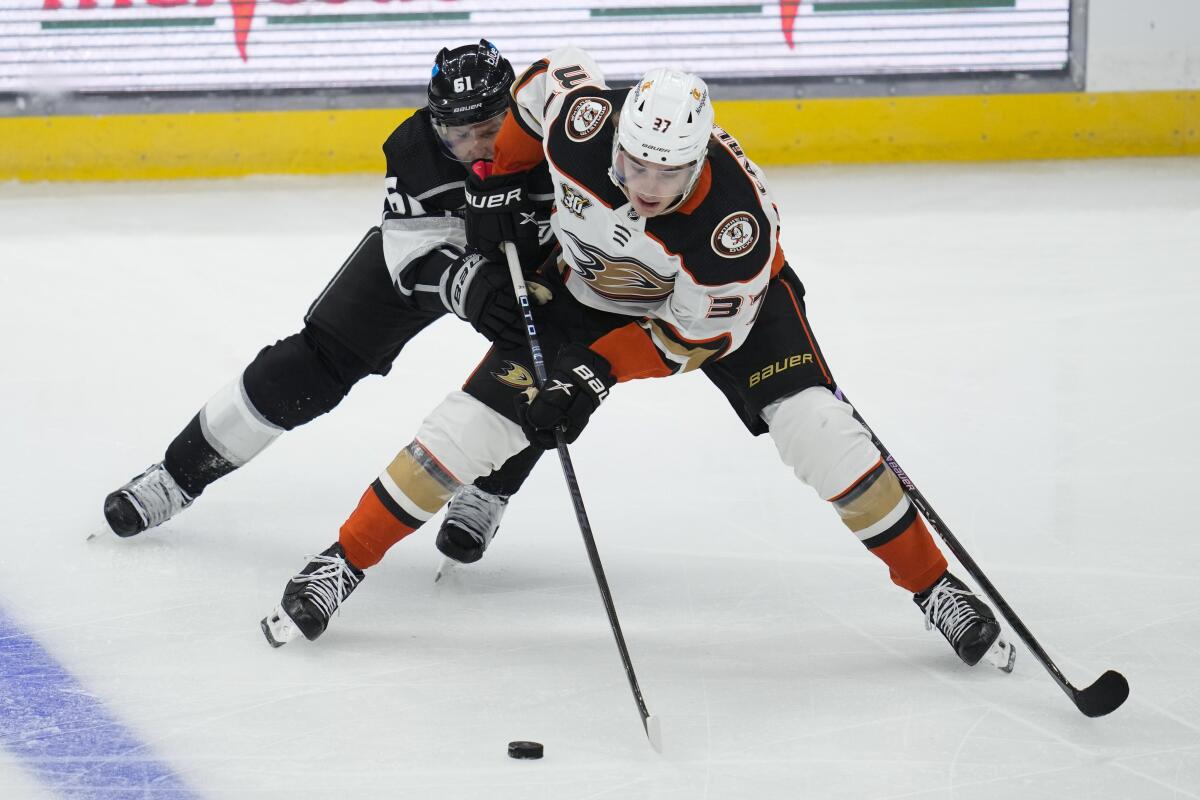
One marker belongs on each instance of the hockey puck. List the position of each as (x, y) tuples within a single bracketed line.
[(524, 749)]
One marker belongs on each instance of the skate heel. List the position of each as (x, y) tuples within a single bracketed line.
[(1001, 655), (279, 628), (472, 519)]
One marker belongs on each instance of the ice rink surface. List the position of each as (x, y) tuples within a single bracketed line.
[(1024, 337)]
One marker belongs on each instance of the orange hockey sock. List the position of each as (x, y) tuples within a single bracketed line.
[(912, 558), (374, 526), (877, 511)]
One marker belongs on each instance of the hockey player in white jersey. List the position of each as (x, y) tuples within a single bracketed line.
[(670, 262), (382, 296)]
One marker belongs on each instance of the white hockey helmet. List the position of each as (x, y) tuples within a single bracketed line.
[(665, 125)]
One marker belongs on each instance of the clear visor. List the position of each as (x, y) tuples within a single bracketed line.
[(472, 142), (653, 181)]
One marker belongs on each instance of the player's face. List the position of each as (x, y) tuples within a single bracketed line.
[(652, 188), (470, 143)]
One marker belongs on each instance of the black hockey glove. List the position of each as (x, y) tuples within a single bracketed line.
[(481, 292), (578, 382), (499, 210)]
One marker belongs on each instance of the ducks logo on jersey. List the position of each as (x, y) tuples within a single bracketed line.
[(735, 235), (514, 375), (618, 278)]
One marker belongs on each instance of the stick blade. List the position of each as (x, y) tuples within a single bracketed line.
[(1104, 696), (654, 733)]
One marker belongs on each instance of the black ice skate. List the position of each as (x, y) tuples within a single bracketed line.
[(311, 597), (472, 519), (148, 500), (966, 621)]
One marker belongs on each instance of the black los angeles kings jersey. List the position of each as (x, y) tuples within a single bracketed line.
[(423, 207)]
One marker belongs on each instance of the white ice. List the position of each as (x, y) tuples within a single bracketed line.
[(1024, 338)]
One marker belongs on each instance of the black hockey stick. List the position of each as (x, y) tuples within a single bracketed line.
[(649, 722), (1109, 690)]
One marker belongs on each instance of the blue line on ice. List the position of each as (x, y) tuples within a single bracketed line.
[(65, 736)]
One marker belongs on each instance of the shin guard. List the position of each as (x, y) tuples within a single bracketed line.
[(227, 433), (469, 440), (817, 435)]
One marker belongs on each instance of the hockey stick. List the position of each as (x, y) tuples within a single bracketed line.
[(1104, 696), (649, 723)]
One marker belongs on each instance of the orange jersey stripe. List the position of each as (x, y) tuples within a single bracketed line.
[(478, 367), (515, 150), (780, 260), (631, 353), (535, 69), (807, 333), (703, 185)]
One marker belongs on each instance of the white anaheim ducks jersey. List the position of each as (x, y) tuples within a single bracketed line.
[(696, 275)]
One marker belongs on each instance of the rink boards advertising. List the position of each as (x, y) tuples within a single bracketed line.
[(153, 89), (167, 45)]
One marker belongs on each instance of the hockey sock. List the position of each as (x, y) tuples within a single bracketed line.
[(878, 512), (193, 462), (404, 497), (374, 527), (913, 559), (288, 384), (228, 432)]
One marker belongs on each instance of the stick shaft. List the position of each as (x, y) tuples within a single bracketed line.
[(568, 468), (960, 552)]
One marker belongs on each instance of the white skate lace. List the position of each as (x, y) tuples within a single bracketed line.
[(329, 584), (156, 495), (477, 512), (946, 608)]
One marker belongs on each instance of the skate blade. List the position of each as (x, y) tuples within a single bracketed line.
[(278, 627), (103, 533), (449, 567), (1001, 655)]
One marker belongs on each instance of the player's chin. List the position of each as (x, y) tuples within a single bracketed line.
[(471, 155), (648, 206)]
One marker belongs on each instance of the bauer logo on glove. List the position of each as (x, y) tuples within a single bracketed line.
[(496, 200), (498, 210), (595, 384)]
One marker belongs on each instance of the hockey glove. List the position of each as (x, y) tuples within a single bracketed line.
[(578, 382), (499, 210), (481, 293)]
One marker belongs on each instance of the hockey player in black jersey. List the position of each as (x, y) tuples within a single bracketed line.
[(396, 281), (670, 262)]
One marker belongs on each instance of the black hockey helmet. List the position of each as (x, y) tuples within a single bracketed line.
[(469, 84)]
